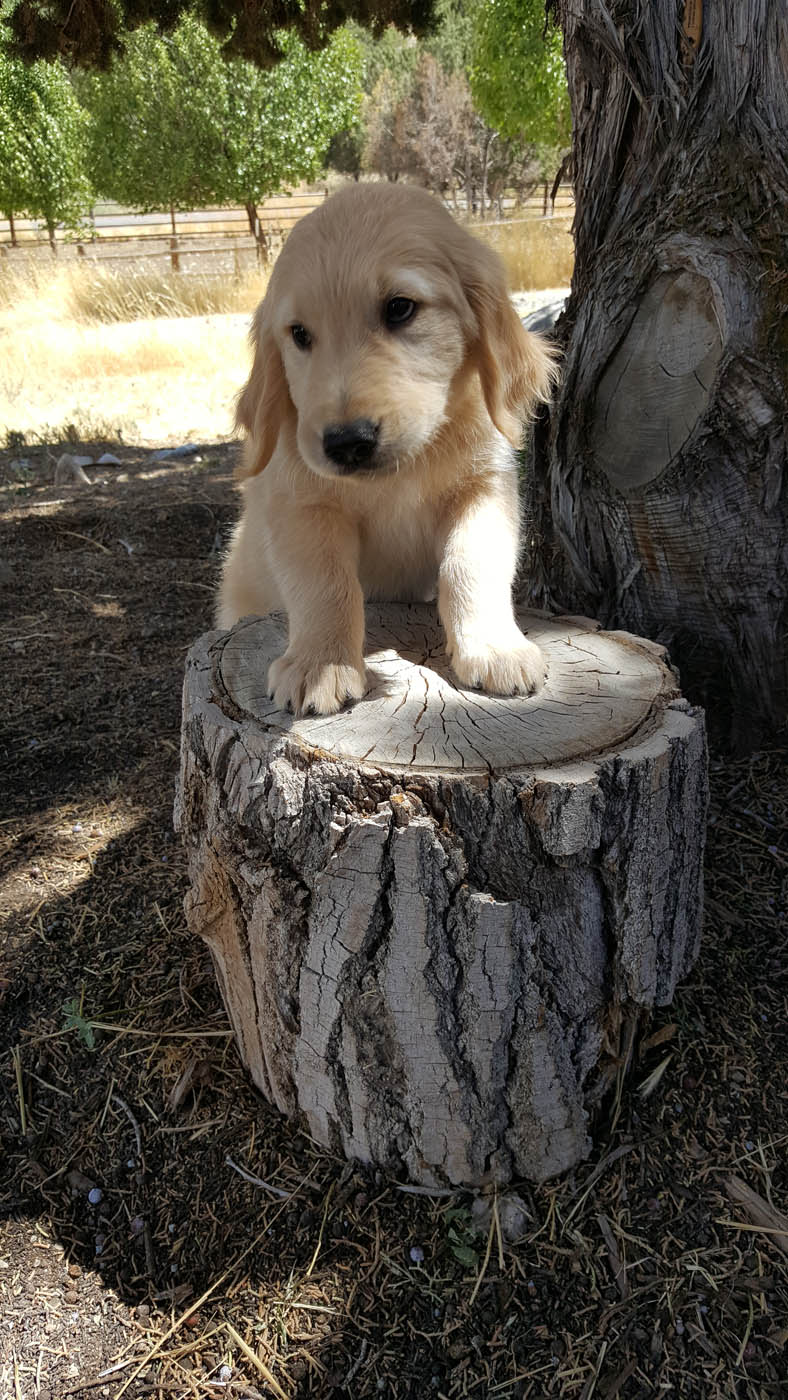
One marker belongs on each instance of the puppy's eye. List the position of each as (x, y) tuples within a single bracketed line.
[(398, 311), (301, 336)]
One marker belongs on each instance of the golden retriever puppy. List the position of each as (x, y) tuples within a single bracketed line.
[(390, 381)]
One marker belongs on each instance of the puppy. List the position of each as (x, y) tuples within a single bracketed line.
[(391, 377)]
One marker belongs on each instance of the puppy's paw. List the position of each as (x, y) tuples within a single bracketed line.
[(307, 686), (510, 666)]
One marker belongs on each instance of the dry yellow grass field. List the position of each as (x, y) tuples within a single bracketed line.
[(152, 357)]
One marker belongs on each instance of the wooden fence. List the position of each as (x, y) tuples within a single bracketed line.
[(215, 239)]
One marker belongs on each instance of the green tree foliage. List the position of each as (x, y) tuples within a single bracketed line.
[(388, 65), (452, 42), (280, 122), (159, 117), (518, 78), (90, 32), (42, 141), (177, 124)]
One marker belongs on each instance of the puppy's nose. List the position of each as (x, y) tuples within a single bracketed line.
[(351, 445)]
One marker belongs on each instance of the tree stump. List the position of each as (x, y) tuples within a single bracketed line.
[(438, 917)]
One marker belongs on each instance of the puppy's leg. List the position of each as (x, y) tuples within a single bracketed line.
[(247, 585), (316, 554), (486, 647)]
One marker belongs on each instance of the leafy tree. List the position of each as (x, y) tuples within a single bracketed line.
[(159, 119), (280, 122), (175, 124), (394, 55), (452, 42), (42, 138), (518, 78)]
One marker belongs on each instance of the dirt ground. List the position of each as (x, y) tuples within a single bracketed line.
[(163, 1232)]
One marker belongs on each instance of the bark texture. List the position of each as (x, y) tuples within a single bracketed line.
[(433, 959), (659, 495)]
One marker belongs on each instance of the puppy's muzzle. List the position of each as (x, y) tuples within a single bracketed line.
[(352, 445)]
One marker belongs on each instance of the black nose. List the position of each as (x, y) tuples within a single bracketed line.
[(351, 445)]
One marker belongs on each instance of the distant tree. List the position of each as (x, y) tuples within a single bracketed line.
[(176, 125), (433, 134), (518, 79), (383, 153), (159, 118), (391, 53), (42, 139), (432, 127), (280, 123), (452, 41)]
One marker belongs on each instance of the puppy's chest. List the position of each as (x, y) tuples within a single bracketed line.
[(399, 554)]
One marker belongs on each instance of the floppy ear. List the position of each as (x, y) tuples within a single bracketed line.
[(517, 369), (264, 403)]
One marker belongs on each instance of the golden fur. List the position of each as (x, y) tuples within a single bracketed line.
[(441, 398)]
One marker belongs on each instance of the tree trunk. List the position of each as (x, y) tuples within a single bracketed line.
[(12, 229), (258, 233), (659, 499), (438, 917)]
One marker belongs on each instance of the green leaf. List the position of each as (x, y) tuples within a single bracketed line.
[(74, 1020)]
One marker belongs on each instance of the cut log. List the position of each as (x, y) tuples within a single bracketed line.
[(437, 917)]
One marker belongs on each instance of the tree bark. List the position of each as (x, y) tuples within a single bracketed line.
[(438, 917), (658, 498)]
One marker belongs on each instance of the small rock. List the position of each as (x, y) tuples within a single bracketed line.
[(78, 1181), (417, 1254), (167, 453), (225, 1372), (71, 1297), (74, 1271), (68, 470), (513, 1215), (95, 1195)]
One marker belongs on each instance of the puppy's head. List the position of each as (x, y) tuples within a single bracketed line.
[(379, 312)]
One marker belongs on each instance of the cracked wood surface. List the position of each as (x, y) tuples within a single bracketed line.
[(431, 959), (600, 688)]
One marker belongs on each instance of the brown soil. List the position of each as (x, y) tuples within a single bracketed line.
[(135, 1257)]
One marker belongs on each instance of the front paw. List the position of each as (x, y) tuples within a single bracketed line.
[(513, 666), (307, 686)]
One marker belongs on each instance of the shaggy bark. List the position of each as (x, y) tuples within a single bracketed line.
[(437, 917), (659, 500)]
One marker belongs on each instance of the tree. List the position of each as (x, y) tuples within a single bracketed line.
[(42, 134), (517, 72), (159, 119), (280, 122), (394, 55), (660, 484), (175, 124)]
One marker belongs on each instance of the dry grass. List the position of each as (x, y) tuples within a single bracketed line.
[(537, 253), (73, 365), (98, 294)]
